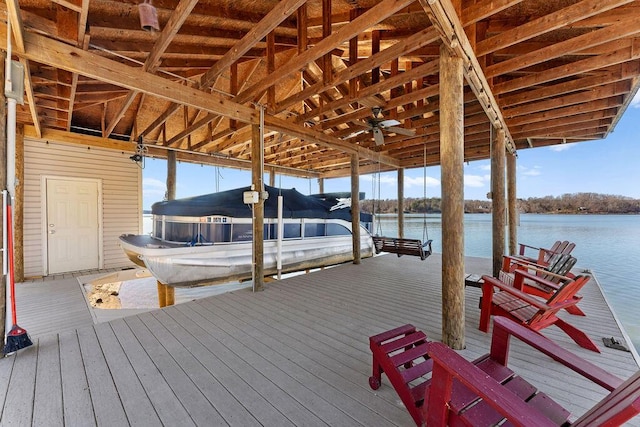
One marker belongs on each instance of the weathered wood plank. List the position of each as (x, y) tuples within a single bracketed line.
[(165, 402), (75, 388), (136, 403), (47, 402), (198, 407), (253, 372), (17, 406), (106, 402), (207, 351), (224, 402), (343, 384)]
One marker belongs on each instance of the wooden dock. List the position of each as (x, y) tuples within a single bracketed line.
[(294, 354)]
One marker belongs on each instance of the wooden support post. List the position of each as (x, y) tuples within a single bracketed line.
[(400, 203), (3, 185), (355, 207), (18, 208), (452, 170), (170, 293), (171, 175), (512, 203), (272, 177), (321, 185), (162, 294), (498, 217), (257, 178)]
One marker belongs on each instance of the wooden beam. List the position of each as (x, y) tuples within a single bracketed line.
[(359, 67), (171, 28), (271, 67), (553, 21), (567, 70), (258, 32), (443, 16), (310, 135), (626, 27), (368, 19), (60, 55)]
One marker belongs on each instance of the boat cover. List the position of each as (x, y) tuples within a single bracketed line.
[(230, 203)]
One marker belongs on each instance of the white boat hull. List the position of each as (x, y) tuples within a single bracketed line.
[(178, 265)]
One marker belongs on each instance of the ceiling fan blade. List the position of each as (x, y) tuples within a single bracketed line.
[(387, 123), (401, 131), (377, 136), (353, 134)]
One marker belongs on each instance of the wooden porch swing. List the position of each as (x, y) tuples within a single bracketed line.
[(399, 245)]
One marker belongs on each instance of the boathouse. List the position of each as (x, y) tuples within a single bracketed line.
[(319, 89)]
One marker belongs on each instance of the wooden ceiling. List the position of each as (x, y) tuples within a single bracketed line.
[(546, 71)]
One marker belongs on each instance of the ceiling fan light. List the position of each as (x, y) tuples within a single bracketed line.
[(148, 16)]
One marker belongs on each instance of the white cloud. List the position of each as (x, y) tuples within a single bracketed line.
[(535, 171), (419, 182), (561, 147), (383, 179), (153, 187), (476, 181)]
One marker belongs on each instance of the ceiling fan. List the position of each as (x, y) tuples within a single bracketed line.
[(377, 124)]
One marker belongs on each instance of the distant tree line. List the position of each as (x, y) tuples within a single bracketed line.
[(585, 203)]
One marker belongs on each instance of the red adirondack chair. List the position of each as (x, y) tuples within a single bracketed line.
[(544, 254), (559, 269), (511, 301), (487, 392), (454, 377)]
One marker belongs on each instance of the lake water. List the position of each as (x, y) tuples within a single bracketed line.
[(608, 245)]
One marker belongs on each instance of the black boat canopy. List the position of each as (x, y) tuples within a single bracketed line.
[(230, 203)]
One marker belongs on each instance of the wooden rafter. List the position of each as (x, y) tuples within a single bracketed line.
[(171, 28)]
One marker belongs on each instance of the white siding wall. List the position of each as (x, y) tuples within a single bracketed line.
[(121, 195)]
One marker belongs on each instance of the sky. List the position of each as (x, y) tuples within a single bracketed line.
[(609, 166)]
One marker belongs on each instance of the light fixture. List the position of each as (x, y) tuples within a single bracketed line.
[(138, 157), (148, 16)]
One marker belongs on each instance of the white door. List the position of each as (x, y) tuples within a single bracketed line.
[(72, 225)]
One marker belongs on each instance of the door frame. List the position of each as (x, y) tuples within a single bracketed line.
[(44, 215)]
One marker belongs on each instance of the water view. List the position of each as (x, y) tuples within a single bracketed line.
[(605, 244)]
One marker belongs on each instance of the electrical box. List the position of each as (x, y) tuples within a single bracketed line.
[(17, 83), (250, 197)]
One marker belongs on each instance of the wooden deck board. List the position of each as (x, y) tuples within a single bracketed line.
[(157, 390), (47, 402), (199, 344), (295, 354), (107, 406), (18, 406), (75, 388), (137, 406), (230, 409)]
